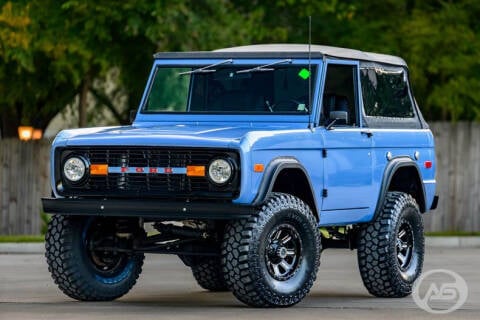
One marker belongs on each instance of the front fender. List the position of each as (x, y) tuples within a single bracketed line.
[(274, 168)]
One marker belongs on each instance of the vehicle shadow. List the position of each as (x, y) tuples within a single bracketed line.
[(204, 299)]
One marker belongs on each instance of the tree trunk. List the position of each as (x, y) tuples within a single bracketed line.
[(9, 122), (83, 103), (105, 100)]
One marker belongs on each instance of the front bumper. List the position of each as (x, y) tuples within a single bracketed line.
[(146, 208)]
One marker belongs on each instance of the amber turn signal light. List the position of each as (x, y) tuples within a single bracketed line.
[(99, 169), (196, 171)]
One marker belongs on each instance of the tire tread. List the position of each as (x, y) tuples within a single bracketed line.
[(377, 264), (209, 274), (240, 241), (68, 273)]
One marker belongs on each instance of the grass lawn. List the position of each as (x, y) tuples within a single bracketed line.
[(453, 234), (22, 238)]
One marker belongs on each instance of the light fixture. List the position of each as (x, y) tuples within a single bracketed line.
[(74, 169), (220, 171), (25, 133), (37, 134)]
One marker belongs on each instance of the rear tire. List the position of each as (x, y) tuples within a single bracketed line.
[(391, 248), (209, 274), (83, 273), (271, 259)]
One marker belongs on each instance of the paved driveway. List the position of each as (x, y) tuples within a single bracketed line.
[(167, 290)]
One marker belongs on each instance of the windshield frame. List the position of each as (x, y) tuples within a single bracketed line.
[(147, 116)]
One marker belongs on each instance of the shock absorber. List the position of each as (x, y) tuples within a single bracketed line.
[(126, 228)]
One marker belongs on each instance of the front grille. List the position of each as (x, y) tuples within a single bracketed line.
[(146, 184)]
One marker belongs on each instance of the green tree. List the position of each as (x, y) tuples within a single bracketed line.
[(76, 48), (438, 39), (35, 80), (442, 47), (52, 52)]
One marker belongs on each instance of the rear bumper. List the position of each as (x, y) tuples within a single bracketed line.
[(146, 208)]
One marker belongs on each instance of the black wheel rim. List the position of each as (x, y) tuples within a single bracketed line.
[(106, 263), (283, 252), (404, 245)]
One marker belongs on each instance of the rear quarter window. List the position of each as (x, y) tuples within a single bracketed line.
[(387, 101)]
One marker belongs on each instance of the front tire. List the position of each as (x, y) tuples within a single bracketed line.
[(81, 272), (391, 248), (272, 258)]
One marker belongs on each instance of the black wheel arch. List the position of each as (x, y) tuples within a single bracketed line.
[(276, 172), (402, 174)]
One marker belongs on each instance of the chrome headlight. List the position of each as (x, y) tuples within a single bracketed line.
[(74, 169), (220, 171)]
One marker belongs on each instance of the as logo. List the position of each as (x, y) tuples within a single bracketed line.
[(440, 291)]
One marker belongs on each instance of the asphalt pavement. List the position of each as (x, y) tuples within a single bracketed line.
[(167, 290)]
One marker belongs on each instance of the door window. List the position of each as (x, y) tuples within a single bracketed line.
[(339, 99)]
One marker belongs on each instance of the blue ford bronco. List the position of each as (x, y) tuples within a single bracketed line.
[(246, 163)]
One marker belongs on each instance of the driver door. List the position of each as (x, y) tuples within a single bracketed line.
[(347, 151)]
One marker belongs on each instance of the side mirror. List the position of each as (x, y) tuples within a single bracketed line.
[(340, 117), (133, 115)]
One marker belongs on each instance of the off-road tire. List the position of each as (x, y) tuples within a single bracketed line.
[(245, 259), (378, 248), (208, 273), (68, 264)]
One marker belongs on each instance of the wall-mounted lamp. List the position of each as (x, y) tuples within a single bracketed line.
[(26, 133), (37, 134)]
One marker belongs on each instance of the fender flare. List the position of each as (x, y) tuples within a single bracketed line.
[(272, 171), (392, 167)]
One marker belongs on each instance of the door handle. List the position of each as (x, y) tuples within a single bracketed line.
[(369, 134)]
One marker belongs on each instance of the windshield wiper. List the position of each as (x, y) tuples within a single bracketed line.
[(206, 68), (265, 67)]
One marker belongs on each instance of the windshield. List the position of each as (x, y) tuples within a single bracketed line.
[(225, 88)]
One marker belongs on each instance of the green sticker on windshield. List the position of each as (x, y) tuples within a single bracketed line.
[(304, 74)]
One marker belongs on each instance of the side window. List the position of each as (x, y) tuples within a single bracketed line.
[(385, 92), (339, 98)]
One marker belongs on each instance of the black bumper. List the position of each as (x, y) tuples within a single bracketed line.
[(146, 208)]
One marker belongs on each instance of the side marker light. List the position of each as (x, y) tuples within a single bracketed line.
[(258, 167)]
